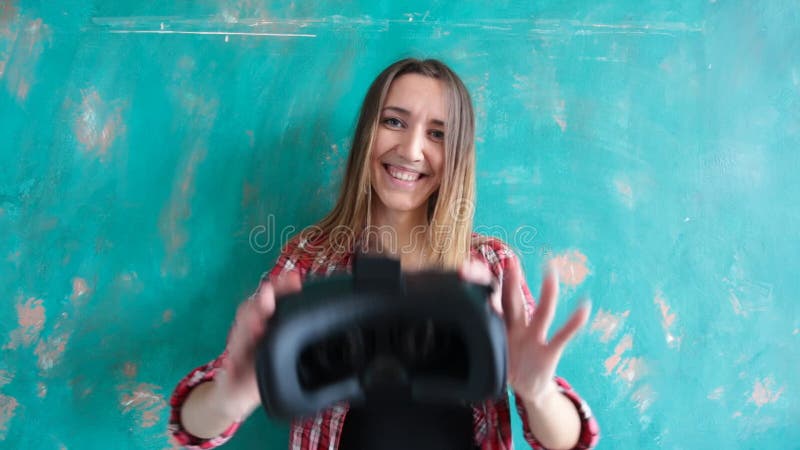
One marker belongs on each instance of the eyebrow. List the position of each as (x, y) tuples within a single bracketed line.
[(406, 112)]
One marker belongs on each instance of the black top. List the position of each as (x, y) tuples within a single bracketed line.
[(403, 425)]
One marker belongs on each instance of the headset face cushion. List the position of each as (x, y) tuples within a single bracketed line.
[(384, 352)]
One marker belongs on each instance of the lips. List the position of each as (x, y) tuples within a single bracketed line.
[(403, 174)]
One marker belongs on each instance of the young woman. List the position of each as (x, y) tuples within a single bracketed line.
[(411, 176)]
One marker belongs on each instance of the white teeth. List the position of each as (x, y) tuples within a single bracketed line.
[(402, 175)]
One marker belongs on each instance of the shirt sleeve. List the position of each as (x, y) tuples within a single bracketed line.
[(287, 261), (195, 378), (590, 431), (498, 254)]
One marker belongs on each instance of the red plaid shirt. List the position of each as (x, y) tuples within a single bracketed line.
[(491, 419)]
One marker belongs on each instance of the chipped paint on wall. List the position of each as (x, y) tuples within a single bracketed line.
[(8, 406), (625, 344), (667, 320), (144, 401), (5, 377), (79, 288), (632, 369), (30, 322), (51, 350), (174, 215), (572, 267), (765, 392), (24, 40), (607, 324), (98, 123)]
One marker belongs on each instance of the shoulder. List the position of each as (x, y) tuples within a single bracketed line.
[(490, 247), (302, 253), (497, 254), (491, 250)]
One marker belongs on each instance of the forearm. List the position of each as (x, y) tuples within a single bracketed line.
[(553, 420), (206, 414)]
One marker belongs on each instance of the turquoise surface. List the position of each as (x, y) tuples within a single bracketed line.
[(153, 153)]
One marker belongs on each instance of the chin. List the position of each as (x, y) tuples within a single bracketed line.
[(400, 204)]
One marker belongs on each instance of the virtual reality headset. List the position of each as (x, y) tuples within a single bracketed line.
[(421, 337)]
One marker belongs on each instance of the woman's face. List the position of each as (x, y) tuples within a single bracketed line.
[(408, 153)]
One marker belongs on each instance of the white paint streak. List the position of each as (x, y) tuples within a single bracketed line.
[(644, 397), (232, 33), (736, 304), (625, 192), (716, 394), (628, 32), (144, 401), (439, 26), (746, 295), (5, 377)]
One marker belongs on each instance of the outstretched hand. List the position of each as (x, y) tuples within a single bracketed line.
[(237, 379), (532, 358)]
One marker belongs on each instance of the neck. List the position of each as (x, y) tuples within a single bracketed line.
[(401, 234)]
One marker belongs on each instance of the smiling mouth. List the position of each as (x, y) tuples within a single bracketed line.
[(402, 174)]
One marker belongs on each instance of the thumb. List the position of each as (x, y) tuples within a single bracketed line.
[(264, 298), (286, 283)]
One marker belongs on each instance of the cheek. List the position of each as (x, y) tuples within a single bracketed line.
[(436, 160), (379, 148), (375, 169)]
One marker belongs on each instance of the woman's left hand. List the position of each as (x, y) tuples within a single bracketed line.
[(532, 358)]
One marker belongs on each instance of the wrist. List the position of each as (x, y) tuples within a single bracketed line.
[(230, 405), (539, 400)]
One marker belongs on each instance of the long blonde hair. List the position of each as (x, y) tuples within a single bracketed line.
[(450, 208)]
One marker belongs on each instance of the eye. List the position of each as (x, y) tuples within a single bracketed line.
[(393, 122), (437, 135)]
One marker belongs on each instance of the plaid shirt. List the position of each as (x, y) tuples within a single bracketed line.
[(491, 419)]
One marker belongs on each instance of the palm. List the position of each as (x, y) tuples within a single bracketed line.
[(530, 363), (532, 358)]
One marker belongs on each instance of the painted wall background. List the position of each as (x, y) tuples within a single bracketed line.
[(652, 149)]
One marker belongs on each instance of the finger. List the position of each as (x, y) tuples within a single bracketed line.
[(545, 310), (478, 273), (286, 283), (264, 298), (248, 331), (475, 272), (575, 323), (246, 324), (496, 298), (513, 309), (256, 325)]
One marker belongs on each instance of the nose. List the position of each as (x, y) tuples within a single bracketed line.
[(413, 144)]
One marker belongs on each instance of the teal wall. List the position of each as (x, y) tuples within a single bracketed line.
[(652, 149)]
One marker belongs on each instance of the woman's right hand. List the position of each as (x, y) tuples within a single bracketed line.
[(235, 385)]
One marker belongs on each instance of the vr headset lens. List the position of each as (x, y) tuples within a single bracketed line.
[(385, 353)]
